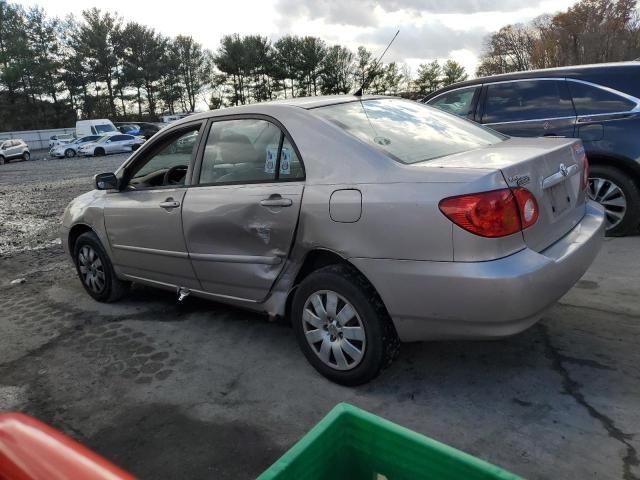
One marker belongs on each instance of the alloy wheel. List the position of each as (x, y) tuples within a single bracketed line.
[(91, 269), (334, 330), (611, 197)]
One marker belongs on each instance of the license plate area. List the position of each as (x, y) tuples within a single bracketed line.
[(560, 198)]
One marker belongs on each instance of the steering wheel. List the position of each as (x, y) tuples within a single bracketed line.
[(171, 177)]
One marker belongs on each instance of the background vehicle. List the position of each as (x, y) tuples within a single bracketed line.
[(143, 129), (71, 149), (117, 143), (599, 104), (94, 127), (59, 139), (13, 149), (429, 230)]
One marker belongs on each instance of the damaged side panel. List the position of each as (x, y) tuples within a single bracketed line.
[(238, 239)]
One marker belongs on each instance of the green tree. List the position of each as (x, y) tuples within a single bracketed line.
[(287, 61), (192, 67), (13, 47), (453, 72), (312, 53), (336, 72), (428, 78), (95, 41)]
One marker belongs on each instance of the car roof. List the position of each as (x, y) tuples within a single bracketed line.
[(306, 103), (573, 71)]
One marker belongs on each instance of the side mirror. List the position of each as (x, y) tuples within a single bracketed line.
[(106, 181)]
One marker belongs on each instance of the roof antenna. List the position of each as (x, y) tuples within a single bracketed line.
[(365, 83)]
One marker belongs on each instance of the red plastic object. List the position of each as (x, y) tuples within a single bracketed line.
[(31, 450)]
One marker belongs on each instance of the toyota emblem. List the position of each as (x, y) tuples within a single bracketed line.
[(564, 170)]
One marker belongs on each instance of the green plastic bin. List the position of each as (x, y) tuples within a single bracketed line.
[(351, 444)]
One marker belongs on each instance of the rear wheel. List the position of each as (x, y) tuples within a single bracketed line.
[(26, 156), (69, 153), (96, 271), (2, 160), (620, 197), (342, 326), (99, 152)]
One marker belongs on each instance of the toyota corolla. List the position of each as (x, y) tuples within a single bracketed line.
[(365, 221)]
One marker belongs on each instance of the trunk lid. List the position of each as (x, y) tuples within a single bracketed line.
[(550, 168)]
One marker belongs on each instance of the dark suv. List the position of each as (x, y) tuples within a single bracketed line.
[(600, 104)]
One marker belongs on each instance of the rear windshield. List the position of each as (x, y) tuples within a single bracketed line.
[(407, 131)]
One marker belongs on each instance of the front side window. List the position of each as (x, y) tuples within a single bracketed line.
[(526, 100), (167, 163), (248, 151), (458, 102), (590, 100), (407, 131)]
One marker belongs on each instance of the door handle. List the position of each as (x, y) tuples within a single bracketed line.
[(276, 201), (169, 203)]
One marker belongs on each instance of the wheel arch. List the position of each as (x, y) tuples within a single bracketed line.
[(624, 164), (75, 231), (314, 260)]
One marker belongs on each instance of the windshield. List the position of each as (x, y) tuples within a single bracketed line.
[(104, 128), (407, 131)]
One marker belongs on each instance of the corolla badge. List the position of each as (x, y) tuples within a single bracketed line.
[(520, 180)]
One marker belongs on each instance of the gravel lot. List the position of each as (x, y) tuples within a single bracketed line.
[(202, 390)]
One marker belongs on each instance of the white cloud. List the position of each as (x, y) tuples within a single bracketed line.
[(429, 29)]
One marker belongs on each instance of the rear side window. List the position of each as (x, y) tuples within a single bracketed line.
[(458, 102), (591, 100), (407, 131), (527, 100), (248, 151)]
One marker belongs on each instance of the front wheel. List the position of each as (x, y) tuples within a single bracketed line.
[(98, 152), (95, 269), (342, 326), (620, 197), (26, 156), (69, 153)]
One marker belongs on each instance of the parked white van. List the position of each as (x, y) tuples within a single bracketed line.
[(94, 127)]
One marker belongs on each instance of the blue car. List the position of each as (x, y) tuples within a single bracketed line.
[(599, 104)]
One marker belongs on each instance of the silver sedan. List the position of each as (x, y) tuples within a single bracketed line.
[(116, 143), (364, 221)]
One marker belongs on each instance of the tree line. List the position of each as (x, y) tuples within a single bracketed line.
[(591, 31), (54, 71)]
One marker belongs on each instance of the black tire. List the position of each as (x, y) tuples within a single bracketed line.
[(98, 152), (69, 153), (631, 219), (382, 343), (26, 156), (114, 288), (2, 160)]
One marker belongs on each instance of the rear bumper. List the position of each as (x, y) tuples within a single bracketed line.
[(454, 300)]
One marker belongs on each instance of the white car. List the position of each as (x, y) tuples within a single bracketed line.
[(56, 140), (13, 149), (118, 143), (71, 149)]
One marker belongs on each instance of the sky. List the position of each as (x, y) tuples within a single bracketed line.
[(429, 29)]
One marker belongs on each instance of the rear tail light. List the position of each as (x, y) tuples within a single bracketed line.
[(497, 213)]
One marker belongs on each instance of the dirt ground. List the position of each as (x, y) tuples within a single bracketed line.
[(202, 390)]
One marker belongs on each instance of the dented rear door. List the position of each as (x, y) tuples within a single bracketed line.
[(239, 236)]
